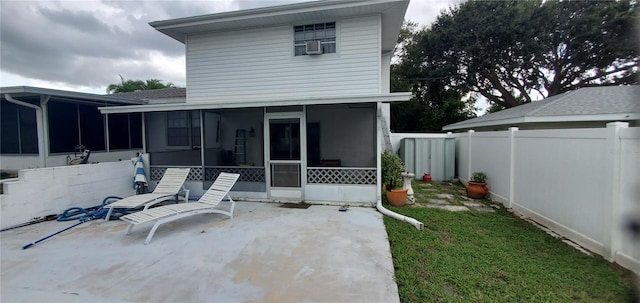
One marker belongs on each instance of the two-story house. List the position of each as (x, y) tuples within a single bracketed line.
[(292, 97)]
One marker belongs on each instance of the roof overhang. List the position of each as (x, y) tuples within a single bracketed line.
[(29, 91), (392, 12), (543, 119), (393, 97)]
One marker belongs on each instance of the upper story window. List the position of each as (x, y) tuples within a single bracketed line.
[(323, 32)]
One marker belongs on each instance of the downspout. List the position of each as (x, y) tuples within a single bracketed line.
[(419, 225), (39, 127), (398, 216)]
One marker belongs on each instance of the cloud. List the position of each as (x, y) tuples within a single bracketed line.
[(87, 44)]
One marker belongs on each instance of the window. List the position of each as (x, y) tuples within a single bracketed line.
[(183, 128), (125, 131), (323, 32), (18, 132)]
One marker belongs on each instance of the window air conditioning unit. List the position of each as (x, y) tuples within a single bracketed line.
[(314, 48)]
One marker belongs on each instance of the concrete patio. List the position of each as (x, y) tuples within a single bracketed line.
[(265, 254)]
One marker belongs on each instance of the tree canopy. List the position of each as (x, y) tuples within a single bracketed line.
[(135, 85), (509, 52), (434, 103)]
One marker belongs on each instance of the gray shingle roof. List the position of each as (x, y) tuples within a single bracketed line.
[(171, 92), (589, 102)]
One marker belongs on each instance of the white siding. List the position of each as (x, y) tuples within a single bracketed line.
[(259, 63)]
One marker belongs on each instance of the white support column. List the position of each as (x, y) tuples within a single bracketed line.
[(613, 223), (106, 132), (379, 122), (144, 134), (44, 105), (512, 155), (202, 150), (469, 148)]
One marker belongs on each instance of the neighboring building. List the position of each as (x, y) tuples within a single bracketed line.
[(155, 96), (293, 97), (586, 107), (45, 127)]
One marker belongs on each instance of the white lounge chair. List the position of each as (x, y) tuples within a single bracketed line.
[(207, 204), (169, 187)]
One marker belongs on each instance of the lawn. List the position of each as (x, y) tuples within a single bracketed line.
[(476, 256)]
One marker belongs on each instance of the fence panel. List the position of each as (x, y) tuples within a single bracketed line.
[(559, 178), (490, 154), (629, 205), (581, 183)]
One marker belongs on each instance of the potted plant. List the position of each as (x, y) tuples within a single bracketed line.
[(477, 186), (392, 168)]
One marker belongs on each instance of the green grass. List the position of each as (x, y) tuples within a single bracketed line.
[(493, 257)]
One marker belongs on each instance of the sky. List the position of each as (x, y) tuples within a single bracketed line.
[(86, 45)]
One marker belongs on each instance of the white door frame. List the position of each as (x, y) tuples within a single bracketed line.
[(286, 193)]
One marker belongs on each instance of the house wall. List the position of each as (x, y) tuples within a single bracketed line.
[(340, 194), (260, 63), (45, 191), (581, 183)]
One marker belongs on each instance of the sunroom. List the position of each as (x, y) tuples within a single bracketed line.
[(320, 152)]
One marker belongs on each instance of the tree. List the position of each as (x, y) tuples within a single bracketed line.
[(508, 51), (433, 104), (135, 85)]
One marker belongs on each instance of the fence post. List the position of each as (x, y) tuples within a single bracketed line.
[(512, 155), (469, 135), (613, 224)]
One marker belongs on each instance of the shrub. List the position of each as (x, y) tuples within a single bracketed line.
[(392, 167), (479, 177)]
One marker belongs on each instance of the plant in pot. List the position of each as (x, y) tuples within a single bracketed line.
[(392, 168), (477, 186)]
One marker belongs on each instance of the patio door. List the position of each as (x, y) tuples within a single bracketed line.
[(285, 153)]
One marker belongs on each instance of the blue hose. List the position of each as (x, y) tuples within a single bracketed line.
[(82, 214), (91, 213)]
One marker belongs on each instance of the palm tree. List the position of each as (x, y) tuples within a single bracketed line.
[(135, 85)]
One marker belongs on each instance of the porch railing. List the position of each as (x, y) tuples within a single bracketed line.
[(341, 175), (315, 175), (210, 173)]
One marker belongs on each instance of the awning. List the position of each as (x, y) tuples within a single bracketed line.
[(393, 97)]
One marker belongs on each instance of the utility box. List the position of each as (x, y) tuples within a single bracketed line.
[(435, 156)]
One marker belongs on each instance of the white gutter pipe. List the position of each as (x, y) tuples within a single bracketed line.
[(39, 127), (419, 225), (381, 120)]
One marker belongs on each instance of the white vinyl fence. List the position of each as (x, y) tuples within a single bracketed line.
[(583, 184)]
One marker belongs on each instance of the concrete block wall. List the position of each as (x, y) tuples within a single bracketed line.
[(45, 191)]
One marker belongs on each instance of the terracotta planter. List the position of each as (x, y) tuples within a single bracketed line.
[(477, 190), (397, 197)]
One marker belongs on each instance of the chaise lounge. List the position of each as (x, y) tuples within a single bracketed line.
[(169, 188), (207, 204)]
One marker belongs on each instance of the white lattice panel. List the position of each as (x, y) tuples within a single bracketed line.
[(195, 174), (247, 174), (341, 176)]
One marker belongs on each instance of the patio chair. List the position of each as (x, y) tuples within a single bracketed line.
[(169, 188), (207, 204)]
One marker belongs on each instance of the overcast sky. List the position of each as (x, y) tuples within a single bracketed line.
[(84, 45)]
